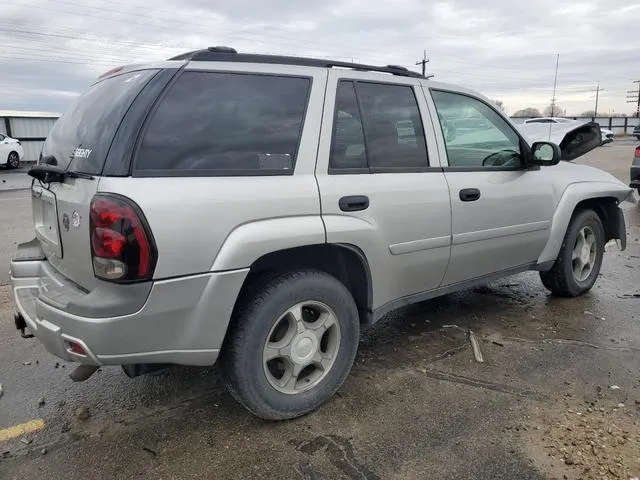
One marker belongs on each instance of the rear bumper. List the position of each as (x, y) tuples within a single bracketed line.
[(183, 320)]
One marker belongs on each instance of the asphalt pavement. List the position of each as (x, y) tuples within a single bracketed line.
[(557, 396)]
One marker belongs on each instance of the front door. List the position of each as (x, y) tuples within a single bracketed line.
[(501, 210), (383, 189)]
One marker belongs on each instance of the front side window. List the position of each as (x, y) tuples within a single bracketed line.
[(495, 144), (377, 127), (213, 123)]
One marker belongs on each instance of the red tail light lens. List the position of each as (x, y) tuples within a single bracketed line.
[(637, 151), (122, 246)]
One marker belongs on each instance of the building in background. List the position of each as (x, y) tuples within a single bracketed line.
[(31, 128)]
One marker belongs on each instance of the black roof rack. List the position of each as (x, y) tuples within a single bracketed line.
[(228, 54)]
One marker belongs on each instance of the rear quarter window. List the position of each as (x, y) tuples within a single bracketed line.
[(215, 123)]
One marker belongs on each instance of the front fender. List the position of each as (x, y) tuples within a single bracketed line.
[(250, 241), (572, 196)]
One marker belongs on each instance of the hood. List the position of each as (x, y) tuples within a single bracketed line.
[(574, 139), (548, 132)]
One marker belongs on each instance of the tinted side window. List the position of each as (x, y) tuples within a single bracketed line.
[(347, 147), (495, 144), (377, 126), (393, 128), (226, 124)]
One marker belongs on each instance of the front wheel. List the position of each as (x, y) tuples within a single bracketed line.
[(578, 264), (13, 160), (292, 343)]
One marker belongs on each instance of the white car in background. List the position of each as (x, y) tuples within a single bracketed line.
[(11, 151), (607, 135)]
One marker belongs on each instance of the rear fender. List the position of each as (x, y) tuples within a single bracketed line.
[(576, 193), (250, 241)]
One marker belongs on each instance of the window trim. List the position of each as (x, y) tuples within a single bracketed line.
[(369, 169), (525, 149), (146, 173)]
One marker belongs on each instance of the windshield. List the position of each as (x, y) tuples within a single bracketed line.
[(80, 139)]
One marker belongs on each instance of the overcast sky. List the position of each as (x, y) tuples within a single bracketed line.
[(53, 49)]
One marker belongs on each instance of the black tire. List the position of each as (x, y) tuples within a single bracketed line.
[(262, 303), (13, 160), (561, 280)]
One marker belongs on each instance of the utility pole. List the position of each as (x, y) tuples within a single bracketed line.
[(555, 82), (595, 110), (423, 62), (633, 96)]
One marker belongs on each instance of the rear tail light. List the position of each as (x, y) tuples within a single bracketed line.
[(637, 151), (122, 246)]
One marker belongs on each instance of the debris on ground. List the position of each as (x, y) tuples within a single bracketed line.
[(1, 390), (151, 451), (629, 295), (26, 363), (82, 413), (592, 440), (43, 451), (25, 440), (41, 402), (614, 387), (477, 353)]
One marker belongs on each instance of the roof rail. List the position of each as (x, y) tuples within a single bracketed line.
[(228, 54)]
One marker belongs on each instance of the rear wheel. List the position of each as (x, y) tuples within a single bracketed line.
[(578, 264), (13, 160), (292, 344)]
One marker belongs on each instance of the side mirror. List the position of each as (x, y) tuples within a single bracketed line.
[(545, 154)]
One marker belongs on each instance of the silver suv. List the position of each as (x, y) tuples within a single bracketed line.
[(259, 209)]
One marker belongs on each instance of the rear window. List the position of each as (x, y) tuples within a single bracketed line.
[(213, 123), (80, 139)]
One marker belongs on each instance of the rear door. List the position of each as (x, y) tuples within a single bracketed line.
[(383, 189), (79, 142)]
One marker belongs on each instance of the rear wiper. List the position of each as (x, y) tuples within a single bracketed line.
[(51, 174)]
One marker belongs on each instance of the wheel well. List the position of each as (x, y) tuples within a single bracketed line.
[(607, 210), (344, 262)]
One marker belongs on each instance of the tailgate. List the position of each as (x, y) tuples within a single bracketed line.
[(78, 144), (61, 221)]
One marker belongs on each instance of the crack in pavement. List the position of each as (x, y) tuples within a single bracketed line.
[(474, 382)]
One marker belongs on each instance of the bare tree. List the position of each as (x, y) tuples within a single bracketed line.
[(499, 104), (527, 112), (588, 113), (554, 110)]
